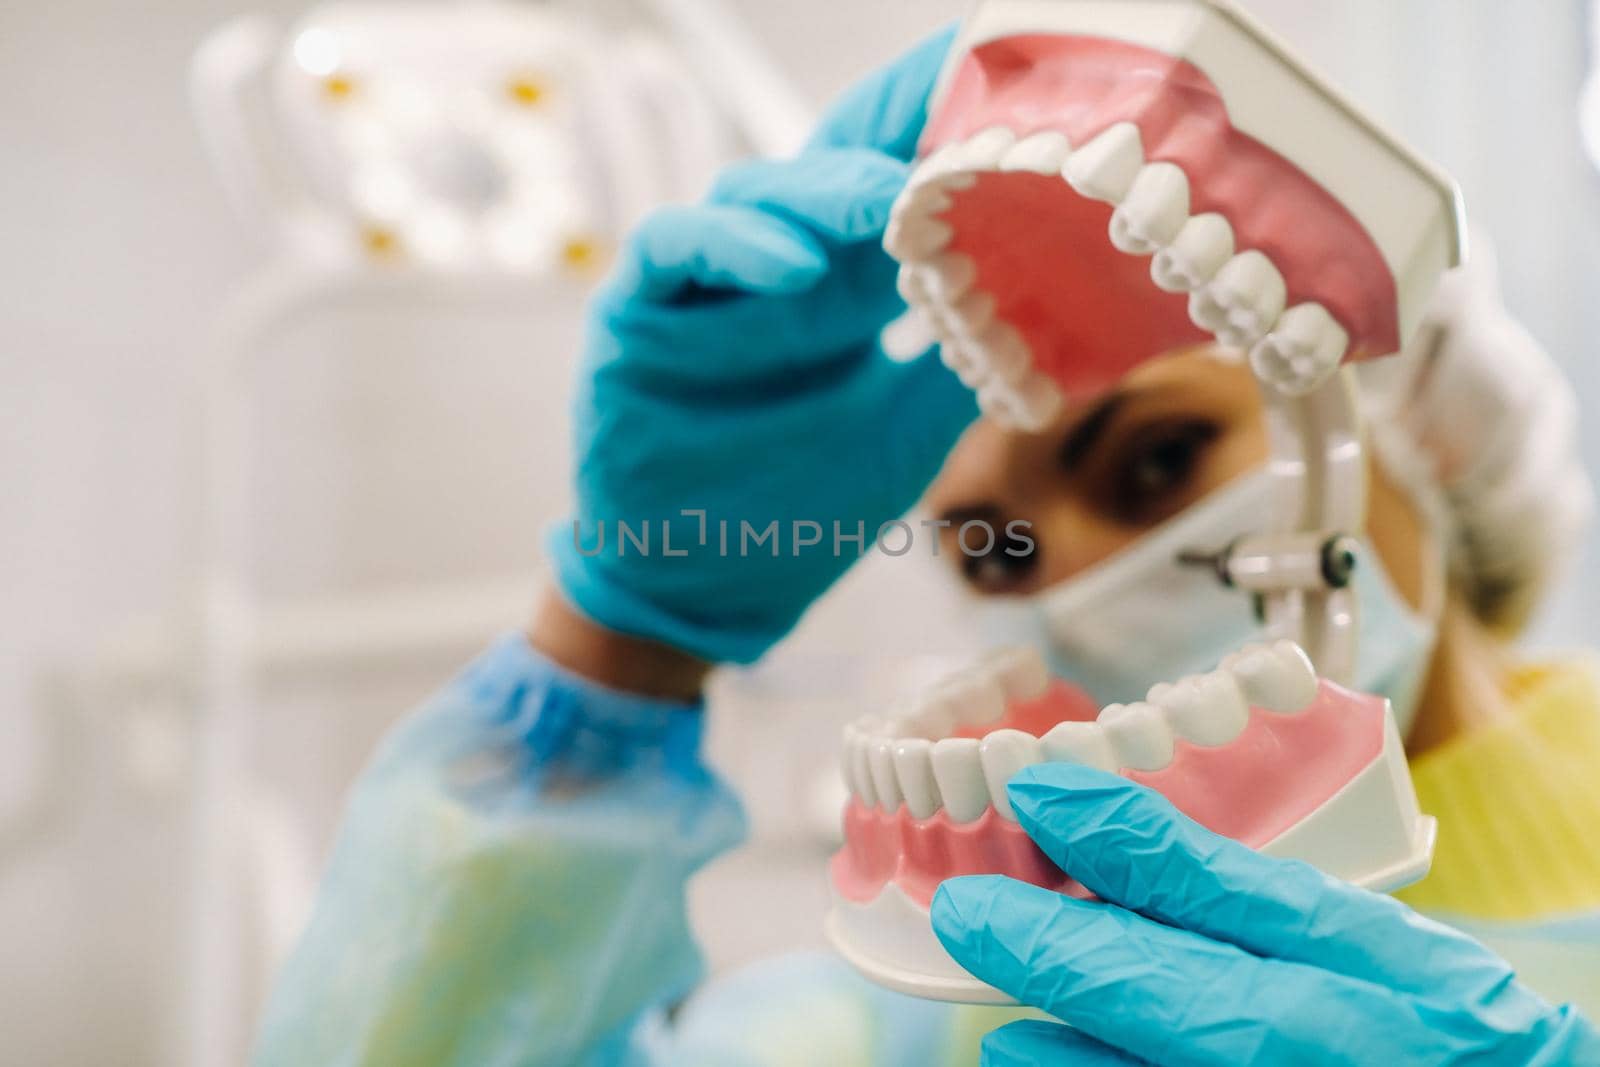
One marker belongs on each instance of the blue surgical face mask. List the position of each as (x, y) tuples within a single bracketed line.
[(1142, 617)]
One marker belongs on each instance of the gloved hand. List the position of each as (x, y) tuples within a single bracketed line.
[(1206, 952), (733, 369)]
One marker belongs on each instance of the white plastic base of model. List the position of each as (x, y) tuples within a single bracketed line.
[(1369, 833), (891, 942), (1410, 208)]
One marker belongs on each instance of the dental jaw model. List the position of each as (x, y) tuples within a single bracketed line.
[(1101, 182), (1260, 750)]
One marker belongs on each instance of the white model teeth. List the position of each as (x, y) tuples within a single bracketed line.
[(913, 762), (969, 699), (909, 760), (916, 237), (1207, 709), (913, 286), (1020, 672), (1242, 302), (999, 400), (970, 315), (1154, 212), (1040, 402), (1202, 246), (1031, 406), (982, 151), (985, 150), (923, 198), (982, 700), (1005, 353), (1301, 352), (955, 356), (1004, 753), (895, 760), (971, 371), (1239, 297), (958, 770), (1139, 736), (1277, 677), (902, 719), (948, 277), (1104, 169), (885, 783), (1043, 153), (945, 161), (1083, 743), (857, 764), (989, 356)]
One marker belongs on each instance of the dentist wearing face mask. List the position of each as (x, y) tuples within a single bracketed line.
[(1088, 624), (508, 884)]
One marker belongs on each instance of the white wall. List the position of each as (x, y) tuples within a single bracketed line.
[(117, 245), (117, 242)]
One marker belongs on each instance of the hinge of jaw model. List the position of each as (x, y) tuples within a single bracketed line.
[(1103, 181)]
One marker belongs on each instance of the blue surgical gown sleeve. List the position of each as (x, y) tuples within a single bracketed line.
[(508, 885)]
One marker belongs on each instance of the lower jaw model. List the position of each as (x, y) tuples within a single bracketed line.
[(1102, 181), (1260, 750)]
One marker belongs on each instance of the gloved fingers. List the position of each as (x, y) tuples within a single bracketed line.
[(1129, 845), (843, 194), (1034, 1043), (888, 109), (1160, 994), (827, 330), (718, 248)]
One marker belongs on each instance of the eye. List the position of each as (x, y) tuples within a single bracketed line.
[(997, 572), (1001, 561), (1155, 469)]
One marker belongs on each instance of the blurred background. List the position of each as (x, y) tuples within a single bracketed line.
[(282, 402)]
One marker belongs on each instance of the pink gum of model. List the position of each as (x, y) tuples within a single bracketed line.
[(1278, 771)]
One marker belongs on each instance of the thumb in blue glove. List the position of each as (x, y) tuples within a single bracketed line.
[(1204, 952)]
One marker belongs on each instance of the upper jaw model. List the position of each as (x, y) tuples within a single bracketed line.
[(1281, 222), (1103, 181)]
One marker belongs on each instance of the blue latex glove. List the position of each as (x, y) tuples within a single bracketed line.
[(733, 368), (1210, 953)]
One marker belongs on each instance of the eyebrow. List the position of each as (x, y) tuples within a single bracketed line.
[(972, 513), (1090, 429)]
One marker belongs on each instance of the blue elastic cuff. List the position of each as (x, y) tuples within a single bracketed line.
[(571, 720)]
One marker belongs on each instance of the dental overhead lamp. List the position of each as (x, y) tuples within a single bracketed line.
[(471, 137)]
